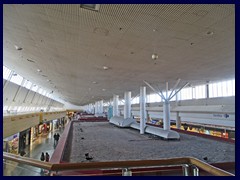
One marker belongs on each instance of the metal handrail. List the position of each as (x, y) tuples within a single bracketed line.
[(117, 164)]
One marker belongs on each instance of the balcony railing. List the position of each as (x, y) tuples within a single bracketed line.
[(190, 166)]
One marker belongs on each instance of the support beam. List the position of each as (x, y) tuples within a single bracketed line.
[(27, 93), (175, 86), (115, 105), (18, 90), (178, 91), (142, 109), (166, 115), (127, 105), (96, 108), (207, 90), (154, 90), (33, 97), (101, 106), (178, 121)]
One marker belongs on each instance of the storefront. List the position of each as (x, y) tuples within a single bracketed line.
[(204, 130), (40, 128), (11, 144), (55, 124), (24, 139), (34, 133)]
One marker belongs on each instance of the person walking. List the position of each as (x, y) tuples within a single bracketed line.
[(47, 157), (42, 158), (57, 137)]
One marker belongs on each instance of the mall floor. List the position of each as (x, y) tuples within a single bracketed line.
[(44, 143)]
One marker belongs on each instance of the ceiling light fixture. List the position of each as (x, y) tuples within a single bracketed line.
[(18, 48), (31, 60), (154, 55), (209, 33), (39, 70), (103, 89), (105, 67), (94, 82)]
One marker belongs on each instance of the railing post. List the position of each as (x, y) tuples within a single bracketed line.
[(126, 172), (195, 170), (185, 169)]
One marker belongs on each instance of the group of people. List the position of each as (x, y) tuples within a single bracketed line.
[(45, 157)]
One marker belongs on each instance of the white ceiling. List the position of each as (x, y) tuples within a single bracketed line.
[(71, 45)]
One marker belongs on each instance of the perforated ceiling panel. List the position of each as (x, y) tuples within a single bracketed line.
[(71, 45)]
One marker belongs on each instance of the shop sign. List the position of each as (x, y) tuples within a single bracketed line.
[(221, 115), (15, 135)]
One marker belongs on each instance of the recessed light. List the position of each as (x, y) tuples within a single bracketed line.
[(94, 82), (18, 48), (104, 89), (39, 70), (31, 60), (154, 56), (209, 33), (105, 67)]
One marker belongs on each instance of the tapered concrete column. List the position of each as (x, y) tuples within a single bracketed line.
[(96, 108), (142, 109), (88, 108), (92, 108), (115, 105), (178, 121), (127, 104), (101, 106), (166, 115)]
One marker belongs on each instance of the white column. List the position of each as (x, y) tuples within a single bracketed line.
[(178, 121), (101, 106), (127, 105), (142, 109), (166, 115), (115, 105), (207, 89), (92, 108), (96, 108)]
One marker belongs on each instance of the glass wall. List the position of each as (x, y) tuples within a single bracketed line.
[(19, 80)]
